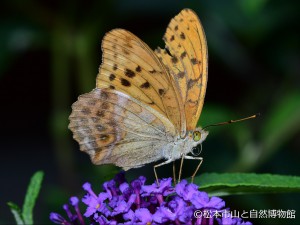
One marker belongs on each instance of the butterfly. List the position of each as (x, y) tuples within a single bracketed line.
[(146, 104)]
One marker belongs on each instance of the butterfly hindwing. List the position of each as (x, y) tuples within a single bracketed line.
[(115, 128)]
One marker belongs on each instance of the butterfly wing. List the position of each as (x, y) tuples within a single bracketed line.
[(188, 62), (114, 128), (130, 66)]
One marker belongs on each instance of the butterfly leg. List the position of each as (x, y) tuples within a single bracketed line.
[(158, 165), (200, 162), (180, 169)]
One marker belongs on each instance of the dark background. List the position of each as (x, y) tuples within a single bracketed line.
[(50, 53)]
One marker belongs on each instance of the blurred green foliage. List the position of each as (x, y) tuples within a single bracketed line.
[(50, 53)]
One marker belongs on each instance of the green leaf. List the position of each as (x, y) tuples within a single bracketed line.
[(31, 195), (246, 183), (16, 211)]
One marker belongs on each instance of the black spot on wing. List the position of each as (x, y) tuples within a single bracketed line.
[(138, 69), (194, 61), (152, 71), (112, 77), (180, 74), (125, 82), (115, 67), (161, 91), (129, 73), (183, 55), (174, 59), (145, 85), (182, 36)]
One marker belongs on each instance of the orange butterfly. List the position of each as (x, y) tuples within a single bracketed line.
[(146, 104)]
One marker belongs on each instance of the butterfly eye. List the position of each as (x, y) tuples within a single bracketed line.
[(196, 135)]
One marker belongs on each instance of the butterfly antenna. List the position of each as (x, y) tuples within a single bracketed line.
[(232, 121)]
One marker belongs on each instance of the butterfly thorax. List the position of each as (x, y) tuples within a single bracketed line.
[(183, 146)]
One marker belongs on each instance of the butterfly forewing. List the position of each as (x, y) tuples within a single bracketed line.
[(131, 67), (115, 128), (185, 40)]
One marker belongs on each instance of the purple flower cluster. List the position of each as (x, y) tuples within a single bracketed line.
[(137, 203)]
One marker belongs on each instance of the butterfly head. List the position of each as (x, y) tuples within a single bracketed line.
[(196, 138), (198, 135)]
